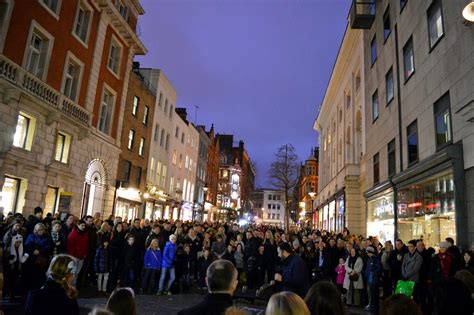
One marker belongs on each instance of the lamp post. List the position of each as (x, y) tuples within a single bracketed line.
[(312, 194), (204, 189)]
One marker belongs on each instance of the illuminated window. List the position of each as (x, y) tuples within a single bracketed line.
[(408, 59), (141, 149), (145, 115), (136, 101), (442, 116), (131, 137), (63, 143)]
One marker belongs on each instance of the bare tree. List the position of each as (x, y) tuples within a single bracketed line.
[(283, 175)]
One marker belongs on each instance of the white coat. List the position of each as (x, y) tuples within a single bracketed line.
[(358, 266)]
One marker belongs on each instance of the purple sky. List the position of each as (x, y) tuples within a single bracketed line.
[(257, 69)]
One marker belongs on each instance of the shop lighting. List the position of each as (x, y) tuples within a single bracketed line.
[(468, 12)]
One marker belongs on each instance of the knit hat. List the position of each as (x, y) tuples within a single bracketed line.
[(370, 249), (443, 244), (296, 243)]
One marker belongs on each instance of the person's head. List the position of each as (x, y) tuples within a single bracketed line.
[(206, 252), (154, 244), (70, 220), (38, 212), (40, 229), (221, 277), (219, 238), (156, 228), (353, 252), (17, 225), (451, 296), (100, 311), (467, 278), (136, 223), (332, 242), (363, 244), (104, 227), (450, 241), (187, 249), (284, 250), (296, 244), (238, 248), (323, 298), (130, 239), (412, 246), (399, 244), (56, 226), (167, 226), (62, 270), (342, 261), (122, 302), (17, 240), (286, 303), (371, 251), (119, 227), (467, 257), (340, 243), (89, 220), (420, 245), (443, 247), (233, 310), (249, 235), (399, 304), (173, 238), (261, 249)]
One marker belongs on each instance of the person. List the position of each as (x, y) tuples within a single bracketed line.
[(152, 265), (395, 261), (341, 274), (399, 304), (58, 295), (130, 262), (14, 229), (33, 220), (468, 262), (271, 254), (323, 298), (122, 302), (168, 265), (239, 258), (286, 303), (451, 296), (323, 263), (102, 264), (423, 290), (78, 245), (221, 281), (293, 274), (16, 258), (353, 282), (116, 244), (204, 262), (442, 264), (455, 252), (386, 278), (38, 246), (468, 279), (185, 272), (218, 248), (373, 271), (411, 263), (58, 239), (233, 310)]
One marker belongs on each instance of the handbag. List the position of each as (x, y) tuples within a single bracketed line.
[(354, 277)]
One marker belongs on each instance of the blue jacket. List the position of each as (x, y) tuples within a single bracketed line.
[(41, 243), (295, 275), (169, 255), (373, 270), (152, 259)]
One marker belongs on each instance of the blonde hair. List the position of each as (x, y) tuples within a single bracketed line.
[(286, 303), (60, 268), (233, 310), (38, 227)]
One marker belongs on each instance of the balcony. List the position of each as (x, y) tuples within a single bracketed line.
[(362, 14), (34, 86)]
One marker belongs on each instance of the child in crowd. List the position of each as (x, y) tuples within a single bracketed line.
[(152, 265), (102, 265), (16, 258), (341, 273), (130, 261), (204, 262)]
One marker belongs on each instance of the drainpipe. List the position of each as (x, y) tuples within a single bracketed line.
[(399, 100)]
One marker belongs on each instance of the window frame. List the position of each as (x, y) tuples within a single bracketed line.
[(35, 27), (56, 13), (446, 107), (107, 89), (141, 148), (86, 7), (375, 96), (387, 100), (402, 6), (135, 105), (436, 4), (71, 57), (408, 43), (66, 147), (127, 170), (415, 123), (146, 111), (29, 132), (131, 139), (386, 15), (17, 192), (138, 176), (156, 134), (114, 41), (373, 42), (391, 149), (376, 168)]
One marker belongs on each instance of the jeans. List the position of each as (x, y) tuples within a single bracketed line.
[(164, 271), (79, 264), (148, 281)]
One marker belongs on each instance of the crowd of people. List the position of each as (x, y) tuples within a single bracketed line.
[(43, 255)]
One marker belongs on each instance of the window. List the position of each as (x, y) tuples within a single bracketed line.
[(37, 53), (136, 101), (63, 143), (391, 158), (10, 193), (348, 99), (357, 82), (435, 23), (72, 77), (166, 106), (163, 176), (171, 111), (106, 111), (412, 141), (268, 216), (52, 5), (126, 169), (114, 57), (157, 132), (51, 200), (186, 163), (278, 216), (162, 137), (386, 24), (175, 157), (176, 134), (23, 135), (442, 116), (376, 169), (160, 99), (82, 24), (138, 178), (145, 115), (152, 165), (131, 137), (123, 10), (158, 172), (403, 3), (141, 149), (180, 160), (375, 106), (408, 59), (269, 206), (167, 141), (389, 86), (273, 216), (373, 50), (171, 184), (182, 138)]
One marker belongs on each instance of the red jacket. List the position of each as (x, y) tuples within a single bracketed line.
[(78, 243)]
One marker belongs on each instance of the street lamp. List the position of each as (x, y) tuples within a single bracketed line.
[(312, 194), (468, 12)]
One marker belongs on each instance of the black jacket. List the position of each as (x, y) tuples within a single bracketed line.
[(51, 299), (295, 275), (212, 304)]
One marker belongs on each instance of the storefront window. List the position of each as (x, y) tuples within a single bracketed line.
[(340, 214), (149, 210), (51, 200), (126, 210), (332, 215), (325, 217), (9, 197), (380, 217), (426, 210), (158, 212)]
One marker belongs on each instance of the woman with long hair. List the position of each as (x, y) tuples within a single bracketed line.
[(286, 303), (122, 302), (323, 298), (57, 296), (271, 254), (117, 242)]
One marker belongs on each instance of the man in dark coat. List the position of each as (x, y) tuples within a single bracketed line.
[(221, 280), (293, 275), (395, 261)]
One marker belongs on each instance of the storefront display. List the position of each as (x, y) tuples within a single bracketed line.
[(10, 194), (332, 215), (340, 210), (426, 209), (324, 224), (380, 216), (126, 209)]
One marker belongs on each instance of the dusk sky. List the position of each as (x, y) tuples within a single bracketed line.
[(257, 69)]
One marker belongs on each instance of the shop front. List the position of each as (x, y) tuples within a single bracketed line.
[(381, 216), (331, 216), (128, 203)]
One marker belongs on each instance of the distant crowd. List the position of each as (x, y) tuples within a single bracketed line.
[(46, 260)]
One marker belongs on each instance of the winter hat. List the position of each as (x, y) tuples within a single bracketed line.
[(370, 249), (443, 244), (17, 238), (296, 243)]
